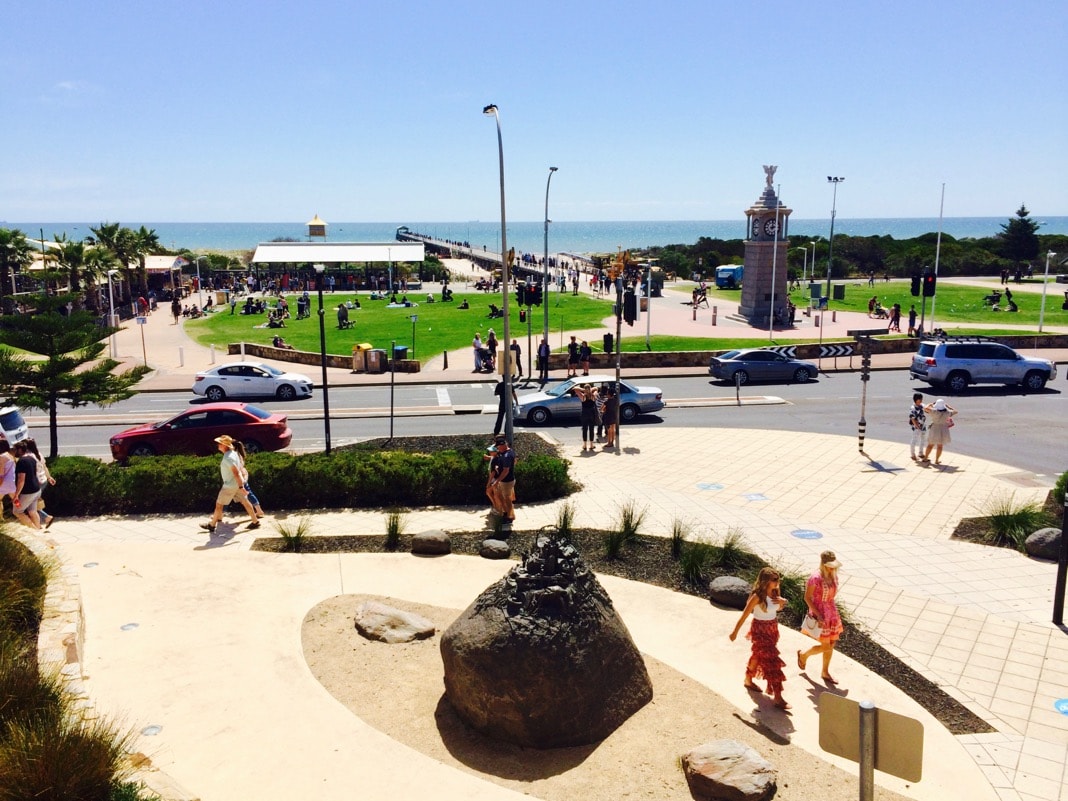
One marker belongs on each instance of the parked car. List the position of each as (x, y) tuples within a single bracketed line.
[(761, 364), (559, 402), (194, 431), (956, 362), (251, 380)]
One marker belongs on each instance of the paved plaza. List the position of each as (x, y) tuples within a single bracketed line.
[(200, 636)]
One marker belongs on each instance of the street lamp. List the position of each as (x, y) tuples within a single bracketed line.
[(545, 287), (319, 270), (200, 284), (1045, 281), (506, 351), (813, 260), (112, 321), (830, 247)]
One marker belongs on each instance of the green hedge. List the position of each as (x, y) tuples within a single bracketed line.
[(345, 479)]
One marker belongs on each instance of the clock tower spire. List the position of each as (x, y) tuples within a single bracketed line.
[(764, 285)]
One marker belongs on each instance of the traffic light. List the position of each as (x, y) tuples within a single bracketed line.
[(522, 315), (929, 285), (534, 295), (915, 285), (520, 294), (630, 306)]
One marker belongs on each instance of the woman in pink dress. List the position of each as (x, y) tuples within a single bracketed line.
[(764, 604), (820, 591)]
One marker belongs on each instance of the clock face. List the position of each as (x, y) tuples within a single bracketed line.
[(770, 227)]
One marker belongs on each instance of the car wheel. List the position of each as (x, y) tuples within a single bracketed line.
[(539, 416), (142, 450), (215, 394), (1034, 381), (286, 393), (628, 412), (740, 377), (252, 446), (957, 382), (801, 375)]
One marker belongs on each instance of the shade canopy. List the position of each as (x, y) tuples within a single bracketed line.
[(337, 252)]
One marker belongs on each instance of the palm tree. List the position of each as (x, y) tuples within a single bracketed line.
[(145, 243), (16, 253), (70, 257), (120, 241), (96, 262)]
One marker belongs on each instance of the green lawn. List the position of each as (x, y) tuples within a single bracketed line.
[(439, 327)]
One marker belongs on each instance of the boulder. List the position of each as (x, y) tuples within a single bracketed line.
[(495, 549), (378, 621), (1044, 544), (541, 658), (729, 591), (727, 770), (431, 543)]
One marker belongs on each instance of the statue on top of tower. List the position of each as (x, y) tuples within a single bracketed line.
[(769, 174)]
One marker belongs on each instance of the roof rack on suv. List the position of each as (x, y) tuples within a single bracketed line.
[(954, 338)]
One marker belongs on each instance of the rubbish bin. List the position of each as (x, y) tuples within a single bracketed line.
[(400, 352), (376, 360), (815, 290), (359, 357), (609, 341), (838, 291), (643, 305)]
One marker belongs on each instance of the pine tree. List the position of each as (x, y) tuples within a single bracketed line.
[(71, 372), (1019, 237)]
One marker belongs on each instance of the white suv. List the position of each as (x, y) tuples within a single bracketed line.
[(957, 362)]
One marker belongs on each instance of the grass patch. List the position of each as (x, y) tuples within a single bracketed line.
[(395, 525), (294, 536), (565, 520), (625, 534)]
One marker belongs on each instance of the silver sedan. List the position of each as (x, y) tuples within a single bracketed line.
[(760, 364), (559, 401)]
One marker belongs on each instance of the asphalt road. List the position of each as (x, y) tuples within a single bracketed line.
[(1028, 431)]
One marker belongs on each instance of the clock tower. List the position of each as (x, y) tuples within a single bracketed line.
[(764, 284)]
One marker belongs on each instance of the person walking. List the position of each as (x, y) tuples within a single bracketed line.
[(587, 395), (44, 476), (940, 420), (502, 479), (543, 362), (476, 347), (27, 487), (918, 426), (820, 592), (764, 662), (572, 357), (255, 501), (234, 477), (7, 473), (912, 320), (517, 356), (501, 407), (176, 308)]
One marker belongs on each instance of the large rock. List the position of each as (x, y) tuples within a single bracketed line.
[(727, 770), (1044, 544), (495, 549), (378, 621), (541, 658), (431, 543), (729, 591)]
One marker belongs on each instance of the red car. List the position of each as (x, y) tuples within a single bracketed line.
[(194, 431)]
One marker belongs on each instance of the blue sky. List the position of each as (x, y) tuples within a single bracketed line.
[(358, 111)]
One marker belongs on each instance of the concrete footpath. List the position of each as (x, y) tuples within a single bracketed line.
[(194, 641)]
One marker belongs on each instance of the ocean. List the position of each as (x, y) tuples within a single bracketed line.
[(528, 237)]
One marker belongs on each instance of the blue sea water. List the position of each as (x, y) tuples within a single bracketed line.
[(564, 237)]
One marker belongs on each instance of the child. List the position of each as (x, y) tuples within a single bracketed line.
[(764, 603)]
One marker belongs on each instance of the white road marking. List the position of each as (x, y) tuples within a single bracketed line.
[(443, 396)]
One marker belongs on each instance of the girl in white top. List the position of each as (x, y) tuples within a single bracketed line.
[(764, 604)]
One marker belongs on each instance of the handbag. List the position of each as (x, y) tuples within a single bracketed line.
[(950, 424), (811, 627)]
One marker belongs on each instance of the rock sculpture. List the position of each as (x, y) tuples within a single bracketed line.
[(541, 658)]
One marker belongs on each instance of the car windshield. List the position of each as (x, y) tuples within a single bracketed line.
[(560, 389)]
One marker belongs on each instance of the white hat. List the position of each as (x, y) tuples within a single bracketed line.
[(940, 405)]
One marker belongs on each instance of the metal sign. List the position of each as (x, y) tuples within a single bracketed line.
[(836, 350), (876, 738), (141, 320)]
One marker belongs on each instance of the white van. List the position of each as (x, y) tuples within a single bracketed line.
[(13, 426)]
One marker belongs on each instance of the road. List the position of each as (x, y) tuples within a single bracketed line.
[(1028, 431)]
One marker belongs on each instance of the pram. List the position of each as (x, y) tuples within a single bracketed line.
[(485, 360)]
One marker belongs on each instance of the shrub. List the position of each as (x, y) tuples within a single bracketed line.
[(730, 556), (628, 525), (565, 520), (395, 526), (695, 557), (1059, 488), (1012, 522), (680, 530), (293, 537)]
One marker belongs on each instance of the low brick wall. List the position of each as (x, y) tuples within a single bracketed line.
[(311, 359)]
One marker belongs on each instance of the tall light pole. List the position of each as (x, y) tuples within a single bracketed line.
[(804, 268), (319, 270), (1045, 281), (200, 284), (113, 321), (830, 247), (813, 273), (545, 280), (506, 351)]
